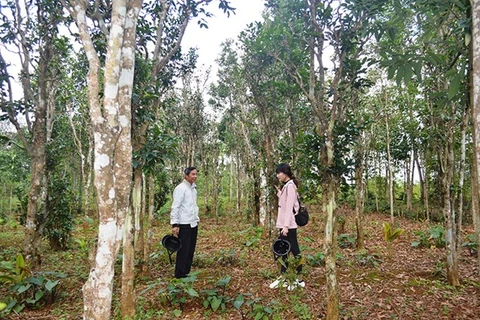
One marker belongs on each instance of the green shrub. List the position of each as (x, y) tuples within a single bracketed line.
[(471, 244), (177, 291), (435, 237), (253, 309), (61, 206), (366, 259), (27, 290), (346, 240), (216, 299), (390, 235), (253, 237), (316, 260)]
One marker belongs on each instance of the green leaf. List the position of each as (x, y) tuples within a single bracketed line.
[(238, 302), (400, 74), (3, 305), (20, 263), (51, 284), (37, 280), (259, 316), (6, 278), (417, 67), (408, 74), (415, 243), (454, 86), (39, 294), (19, 307), (223, 282), (24, 288), (216, 303), (391, 72), (192, 293)]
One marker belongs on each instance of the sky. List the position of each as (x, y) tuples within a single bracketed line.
[(208, 41), (220, 28)]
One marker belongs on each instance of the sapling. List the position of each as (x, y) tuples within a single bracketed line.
[(390, 236)]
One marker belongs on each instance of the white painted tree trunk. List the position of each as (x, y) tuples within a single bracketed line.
[(111, 123)]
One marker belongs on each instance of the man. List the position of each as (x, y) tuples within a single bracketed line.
[(184, 220)]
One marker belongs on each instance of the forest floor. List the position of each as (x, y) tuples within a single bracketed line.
[(410, 284)]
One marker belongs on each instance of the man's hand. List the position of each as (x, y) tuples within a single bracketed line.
[(284, 231), (175, 231)]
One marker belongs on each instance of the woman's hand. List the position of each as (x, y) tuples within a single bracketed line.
[(284, 231)]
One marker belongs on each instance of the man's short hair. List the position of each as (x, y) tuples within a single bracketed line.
[(188, 170)]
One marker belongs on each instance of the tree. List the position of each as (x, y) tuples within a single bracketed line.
[(34, 29), (307, 26), (111, 124), (439, 65), (475, 98)]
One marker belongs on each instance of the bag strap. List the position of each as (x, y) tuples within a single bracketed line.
[(298, 196)]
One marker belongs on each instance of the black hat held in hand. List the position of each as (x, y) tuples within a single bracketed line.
[(172, 244), (281, 247)]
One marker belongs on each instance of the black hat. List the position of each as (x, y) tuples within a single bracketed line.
[(171, 243), (281, 247)]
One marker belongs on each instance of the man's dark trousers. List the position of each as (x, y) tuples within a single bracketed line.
[(188, 237)]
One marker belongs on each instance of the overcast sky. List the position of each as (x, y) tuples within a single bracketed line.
[(220, 28)]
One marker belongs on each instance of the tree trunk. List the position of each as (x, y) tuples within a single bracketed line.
[(390, 173), (461, 180), (239, 189), (330, 255), (447, 166), (359, 193), (475, 98), (425, 194), (256, 196), (141, 237), (127, 300), (409, 181), (377, 187), (137, 204), (215, 184), (111, 124), (31, 250), (148, 228), (231, 180), (34, 224)]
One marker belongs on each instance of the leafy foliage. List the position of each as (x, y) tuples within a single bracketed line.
[(61, 207), (215, 298), (390, 235), (346, 240), (27, 290), (471, 244), (254, 236), (369, 260), (434, 237), (177, 291)]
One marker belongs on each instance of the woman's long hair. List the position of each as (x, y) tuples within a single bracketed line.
[(285, 169)]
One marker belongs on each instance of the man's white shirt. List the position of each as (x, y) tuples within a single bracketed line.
[(184, 206)]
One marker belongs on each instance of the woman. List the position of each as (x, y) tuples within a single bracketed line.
[(287, 203)]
